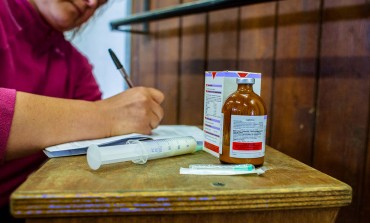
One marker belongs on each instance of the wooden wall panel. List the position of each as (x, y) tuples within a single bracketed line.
[(143, 62), (192, 68), (135, 46), (314, 57), (167, 61), (155, 57), (256, 48), (365, 204), (342, 120), (295, 78), (222, 40)]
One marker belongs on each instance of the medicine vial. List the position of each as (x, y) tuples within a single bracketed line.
[(244, 126)]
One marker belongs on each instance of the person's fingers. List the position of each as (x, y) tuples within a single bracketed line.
[(154, 122), (158, 111), (156, 115), (157, 95), (137, 109)]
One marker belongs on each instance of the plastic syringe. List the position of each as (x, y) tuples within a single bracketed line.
[(140, 151)]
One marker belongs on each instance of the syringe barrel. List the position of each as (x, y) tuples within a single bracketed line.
[(156, 149), (140, 151)]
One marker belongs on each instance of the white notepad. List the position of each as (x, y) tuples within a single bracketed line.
[(162, 132)]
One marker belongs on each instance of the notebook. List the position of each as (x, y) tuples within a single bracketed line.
[(161, 132)]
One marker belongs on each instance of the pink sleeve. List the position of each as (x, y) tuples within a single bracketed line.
[(7, 104)]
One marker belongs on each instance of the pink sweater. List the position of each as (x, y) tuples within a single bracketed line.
[(34, 58)]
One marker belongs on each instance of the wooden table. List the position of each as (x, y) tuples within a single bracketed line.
[(66, 190)]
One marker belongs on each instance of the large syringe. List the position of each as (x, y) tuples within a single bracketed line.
[(140, 151)]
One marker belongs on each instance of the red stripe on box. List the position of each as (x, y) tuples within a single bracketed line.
[(247, 146), (212, 147)]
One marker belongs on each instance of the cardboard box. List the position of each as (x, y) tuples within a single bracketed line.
[(219, 85)]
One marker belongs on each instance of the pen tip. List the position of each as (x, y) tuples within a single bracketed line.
[(115, 59)]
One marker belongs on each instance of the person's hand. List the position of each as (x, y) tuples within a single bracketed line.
[(51, 121), (136, 110)]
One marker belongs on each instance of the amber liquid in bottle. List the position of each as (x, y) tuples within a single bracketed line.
[(242, 102)]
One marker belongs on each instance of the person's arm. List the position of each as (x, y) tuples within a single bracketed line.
[(41, 121)]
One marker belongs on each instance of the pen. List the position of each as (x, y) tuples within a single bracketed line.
[(120, 68)]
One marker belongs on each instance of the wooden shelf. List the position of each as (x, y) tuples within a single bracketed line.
[(181, 10)]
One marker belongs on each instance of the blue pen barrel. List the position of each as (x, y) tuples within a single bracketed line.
[(140, 151)]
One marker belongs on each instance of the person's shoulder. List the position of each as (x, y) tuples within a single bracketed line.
[(2, 8), (4, 13), (77, 61), (4, 20)]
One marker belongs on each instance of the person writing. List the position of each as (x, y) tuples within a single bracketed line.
[(48, 94)]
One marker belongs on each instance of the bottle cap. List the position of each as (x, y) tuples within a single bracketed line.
[(245, 80)]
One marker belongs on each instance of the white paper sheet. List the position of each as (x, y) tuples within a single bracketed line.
[(162, 132)]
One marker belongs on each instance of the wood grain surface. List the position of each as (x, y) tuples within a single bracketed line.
[(314, 59), (256, 49), (68, 187), (295, 79), (342, 123), (192, 68)]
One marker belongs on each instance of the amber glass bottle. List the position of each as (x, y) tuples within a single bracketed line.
[(244, 126)]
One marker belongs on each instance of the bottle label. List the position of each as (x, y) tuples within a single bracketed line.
[(248, 136)]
